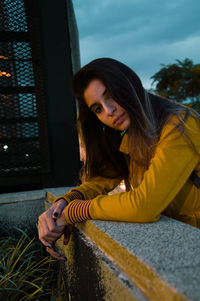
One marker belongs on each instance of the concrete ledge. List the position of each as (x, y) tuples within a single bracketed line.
[(127, 261), (14, 197), (21, 210), (118, 261)]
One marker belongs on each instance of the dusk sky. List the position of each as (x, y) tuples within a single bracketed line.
[(140, 33)]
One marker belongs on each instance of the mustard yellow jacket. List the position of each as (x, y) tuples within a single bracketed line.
[(165, 189)]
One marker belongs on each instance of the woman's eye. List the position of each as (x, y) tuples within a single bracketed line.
[(97, 110)]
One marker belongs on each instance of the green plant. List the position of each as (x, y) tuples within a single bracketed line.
[(179, 81), (26, 273)]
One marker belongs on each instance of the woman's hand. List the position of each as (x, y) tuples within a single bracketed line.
[(48, 230), (60, 219), (67, 233), (51, 225), (66, 237)]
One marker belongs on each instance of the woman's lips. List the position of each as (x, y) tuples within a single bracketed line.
[(119, 119)]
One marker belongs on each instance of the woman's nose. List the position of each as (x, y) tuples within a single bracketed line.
[(110, 109)]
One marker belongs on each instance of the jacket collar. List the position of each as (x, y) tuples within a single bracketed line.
[(124, 145)]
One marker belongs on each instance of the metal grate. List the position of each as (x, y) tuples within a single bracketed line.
[(20, 123)]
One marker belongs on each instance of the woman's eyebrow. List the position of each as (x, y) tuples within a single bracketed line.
[(96, 103)]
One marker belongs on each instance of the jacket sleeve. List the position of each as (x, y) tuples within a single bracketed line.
[(98, 185), (171, 166), (90, 189)]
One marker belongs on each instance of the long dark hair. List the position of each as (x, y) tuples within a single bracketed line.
[(148, 113)]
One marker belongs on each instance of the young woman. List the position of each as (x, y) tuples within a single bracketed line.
[(150, 142)]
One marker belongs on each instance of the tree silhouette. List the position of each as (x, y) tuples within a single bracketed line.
[(179, 81)]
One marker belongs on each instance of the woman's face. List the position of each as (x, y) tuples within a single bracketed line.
[(104, 107)]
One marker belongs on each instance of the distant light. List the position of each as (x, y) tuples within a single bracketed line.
[(3, 73), (27, 155), (3, 57), (5, 147)]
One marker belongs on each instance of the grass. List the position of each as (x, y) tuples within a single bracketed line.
[(27, 273)]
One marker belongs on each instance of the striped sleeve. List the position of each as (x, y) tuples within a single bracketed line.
[(70, 196), (77, 211)]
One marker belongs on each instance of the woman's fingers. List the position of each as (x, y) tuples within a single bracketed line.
[(58, 208), (47, 228), (50, 238), (47, 238), (46, 219), (50, 247), (42, 236), (55, 254), (49, 231), (67, 233), (45, 243)]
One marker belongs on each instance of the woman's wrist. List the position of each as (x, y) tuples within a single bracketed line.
[(62, 203), (62, 199)]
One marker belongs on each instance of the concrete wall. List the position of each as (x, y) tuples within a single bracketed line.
[(21, 210), (118, 261), (126, 261)]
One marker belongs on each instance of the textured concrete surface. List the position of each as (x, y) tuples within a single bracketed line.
[(21, 210), (170, 249), (119, 261), (92, 276), (14, 197), (161, 261)]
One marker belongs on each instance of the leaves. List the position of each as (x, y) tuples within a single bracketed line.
[(179, 81), (26, 274)]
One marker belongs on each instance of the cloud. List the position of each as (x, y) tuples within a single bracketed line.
[(97, 18), (141, 33)]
